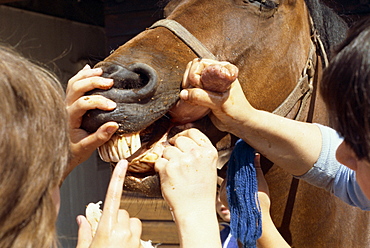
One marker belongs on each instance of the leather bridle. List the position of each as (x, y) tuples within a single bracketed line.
[(304, 87)]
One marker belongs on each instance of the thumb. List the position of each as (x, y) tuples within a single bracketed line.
[(203, 98), (84, 232)]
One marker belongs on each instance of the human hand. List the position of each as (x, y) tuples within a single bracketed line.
[(83, 144), (225, 106), (187, 171), (115, 228), (188, 176), (211, 75)]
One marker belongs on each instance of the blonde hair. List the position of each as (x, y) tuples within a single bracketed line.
[(33, 151)]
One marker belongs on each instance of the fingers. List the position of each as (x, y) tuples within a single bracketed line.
[(192, 74), (257, 161), (209, 74), (194, 134), (114, 193), (78, 103), (202, 97), (160, 164), (85, 80), (84, 232), (136, 227), (78, 108), (262, 184), (94, 140), (102, 135)]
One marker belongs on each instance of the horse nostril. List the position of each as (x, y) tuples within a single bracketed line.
[(143, 75), (127, 78), (132, 84)]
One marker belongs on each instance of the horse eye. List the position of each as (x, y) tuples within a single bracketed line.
[(269, 4)]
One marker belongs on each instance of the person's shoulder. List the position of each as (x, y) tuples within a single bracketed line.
[(327, 131)]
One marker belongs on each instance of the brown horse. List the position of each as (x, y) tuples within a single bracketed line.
[(279, 47)]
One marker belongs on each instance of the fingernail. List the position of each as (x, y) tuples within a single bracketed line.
[(111, 130), (78, 220), (111, 104), (184, 94), (122, 163), (87, 66), (107, 81)]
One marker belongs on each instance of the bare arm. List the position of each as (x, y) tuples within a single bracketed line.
[(294, 146), (270, 235)]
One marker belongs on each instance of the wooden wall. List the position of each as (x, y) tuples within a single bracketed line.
[(156, 219)]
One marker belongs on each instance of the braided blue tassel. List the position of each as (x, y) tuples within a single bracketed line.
[(242, 190)]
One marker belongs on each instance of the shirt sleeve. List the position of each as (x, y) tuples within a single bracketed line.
[(329, 174)]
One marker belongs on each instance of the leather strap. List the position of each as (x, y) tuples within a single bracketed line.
[(193, 43)]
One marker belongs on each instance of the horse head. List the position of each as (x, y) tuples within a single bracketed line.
[(279, 47), (269, 41)]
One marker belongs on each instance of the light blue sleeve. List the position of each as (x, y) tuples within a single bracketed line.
[(329, 174)]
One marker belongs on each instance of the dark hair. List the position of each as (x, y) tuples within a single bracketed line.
[(330, 26), (34, 148), (345, 88)]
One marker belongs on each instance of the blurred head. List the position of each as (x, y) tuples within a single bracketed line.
[(33, 151), (345, 88), (221, 200)]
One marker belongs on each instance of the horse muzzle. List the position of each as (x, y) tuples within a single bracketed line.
[(134, 91)]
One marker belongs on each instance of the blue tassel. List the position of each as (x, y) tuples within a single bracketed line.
[(242, 192)]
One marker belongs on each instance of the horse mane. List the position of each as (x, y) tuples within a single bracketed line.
[(330, 26)]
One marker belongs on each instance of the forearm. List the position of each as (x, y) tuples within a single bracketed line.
[(270, 236), (198, 227), (294, 146)]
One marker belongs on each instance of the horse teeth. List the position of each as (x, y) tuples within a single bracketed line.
[(128, 139), (135, 142), (150, 157), (119, 147), (112, 151), (103, 153), (123, 149)]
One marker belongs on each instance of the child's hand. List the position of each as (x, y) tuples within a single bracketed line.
[(188, 176), (82, 143), (115, 228), (188, 170)]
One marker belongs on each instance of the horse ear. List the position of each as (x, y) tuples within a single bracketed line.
[(346, 156)]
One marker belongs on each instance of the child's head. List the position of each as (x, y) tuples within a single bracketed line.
[(34, 148), (221, 200)]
